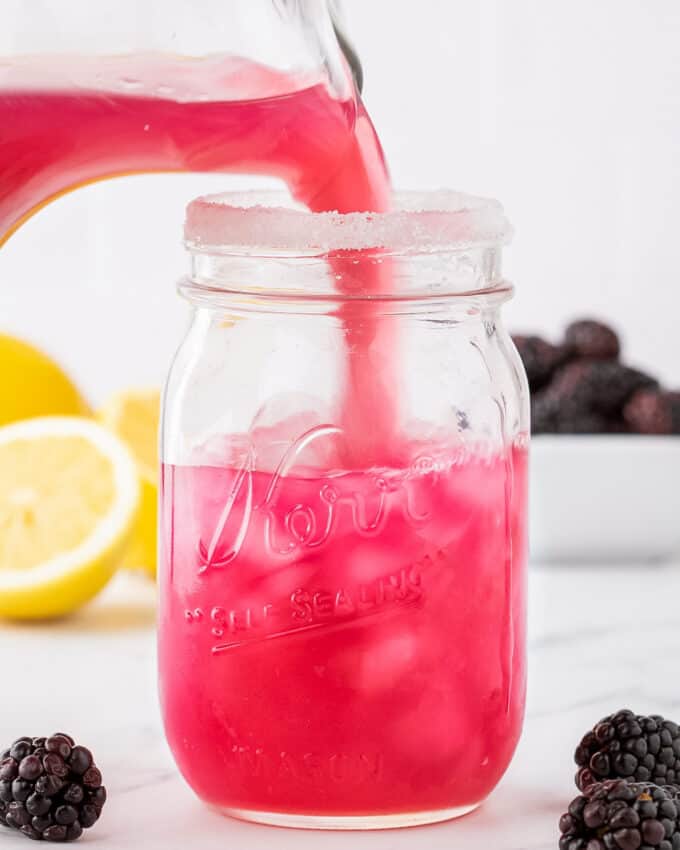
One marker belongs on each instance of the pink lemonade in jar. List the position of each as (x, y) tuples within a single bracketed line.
[(355, 642)]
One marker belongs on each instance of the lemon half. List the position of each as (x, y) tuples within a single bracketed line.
[(69, 493)]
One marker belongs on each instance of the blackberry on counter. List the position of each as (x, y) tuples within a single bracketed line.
[(632, 747), (595, 340), (651, 411), (620, 815), (50, 789), (540, 358)]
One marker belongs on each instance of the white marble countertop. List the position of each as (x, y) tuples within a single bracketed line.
[(601, 638)]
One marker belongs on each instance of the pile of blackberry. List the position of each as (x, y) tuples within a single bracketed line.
[(50, 789), (629, 776), (580, 386)]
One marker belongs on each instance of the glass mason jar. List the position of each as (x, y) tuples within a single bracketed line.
[(343, 513)]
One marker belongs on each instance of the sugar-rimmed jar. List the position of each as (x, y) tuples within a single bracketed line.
[(343, 513)]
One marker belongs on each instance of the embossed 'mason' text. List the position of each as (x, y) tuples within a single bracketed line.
[(340, 768)]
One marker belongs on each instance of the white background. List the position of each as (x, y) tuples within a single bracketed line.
[(566, 110)]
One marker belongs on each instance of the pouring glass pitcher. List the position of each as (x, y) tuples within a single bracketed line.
[(95, 90)]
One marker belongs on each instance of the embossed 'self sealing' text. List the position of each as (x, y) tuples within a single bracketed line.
[(308, 608)]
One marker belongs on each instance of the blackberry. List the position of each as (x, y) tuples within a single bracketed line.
[(540, 359), (618, 425), (50, 789), (589, 338), (620, 815), (595, 386), (621, 382), (632, 747), (543, 413), (550, 416), (574, 389), (651, 411), (583, 423)]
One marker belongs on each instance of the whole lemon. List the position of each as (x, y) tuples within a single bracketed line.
[(31, 384), (133, 415)]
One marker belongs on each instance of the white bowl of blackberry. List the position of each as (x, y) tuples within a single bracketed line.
[(605, 456)]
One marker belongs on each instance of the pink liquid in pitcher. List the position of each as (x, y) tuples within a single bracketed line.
[(354, 644), (68, 122)]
